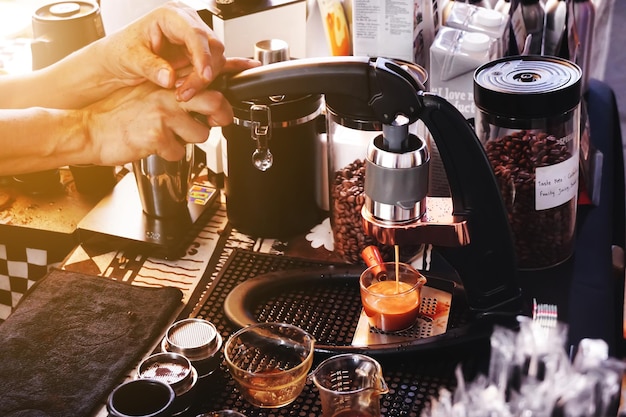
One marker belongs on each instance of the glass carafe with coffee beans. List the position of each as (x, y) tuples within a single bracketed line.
[(351, 126), (528, 119)]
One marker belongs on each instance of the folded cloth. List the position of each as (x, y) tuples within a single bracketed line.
[(73, 338)]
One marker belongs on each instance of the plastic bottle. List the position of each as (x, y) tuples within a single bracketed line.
[(580, 26), (503, 6), (481, 3), (554, 26), (533, 15)]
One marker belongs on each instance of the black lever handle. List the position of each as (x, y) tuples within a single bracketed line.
[(487, 265), (382, 83)]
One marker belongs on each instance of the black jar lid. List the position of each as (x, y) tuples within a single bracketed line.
[(351, 112), (285, 110), (527, 87), (357, 114)]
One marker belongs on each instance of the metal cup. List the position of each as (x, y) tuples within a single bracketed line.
[(141, 398), (62, 27), (163, 185)]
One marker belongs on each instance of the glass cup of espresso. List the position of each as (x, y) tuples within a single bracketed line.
[(269, 362), (391, 295)]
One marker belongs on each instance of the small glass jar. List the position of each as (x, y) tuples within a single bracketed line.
[(528, 119), (351, 126)]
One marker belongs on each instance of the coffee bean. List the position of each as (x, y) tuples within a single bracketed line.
[(542, 237), (347, 199)]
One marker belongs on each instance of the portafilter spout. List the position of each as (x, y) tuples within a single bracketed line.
[(480, 247)]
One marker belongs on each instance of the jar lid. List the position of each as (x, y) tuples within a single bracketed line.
[(358, 114), (527, 87), (286, 111), (488, 18), (475, 42), (65, 10)]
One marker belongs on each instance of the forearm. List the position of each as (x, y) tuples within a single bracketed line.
[(74, 82), (37, 139), (170, 47)]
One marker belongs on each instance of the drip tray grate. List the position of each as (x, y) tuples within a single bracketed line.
[(328, 307)]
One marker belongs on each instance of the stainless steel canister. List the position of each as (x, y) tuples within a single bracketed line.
[(528, 119), (196, 339), (275, 198), (163, 185), (60, 28), (175, 370)]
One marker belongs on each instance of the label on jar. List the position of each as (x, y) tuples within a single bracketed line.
[(556, 184)]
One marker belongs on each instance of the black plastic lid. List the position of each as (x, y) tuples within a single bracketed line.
[(286, 110), (348, 107), (527, 87)]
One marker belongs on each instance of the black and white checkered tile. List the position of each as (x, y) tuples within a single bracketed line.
[(20, 268)]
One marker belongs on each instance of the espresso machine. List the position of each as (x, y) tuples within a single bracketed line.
[(474, 235)]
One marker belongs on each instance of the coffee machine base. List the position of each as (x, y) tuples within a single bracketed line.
[(118, 221)]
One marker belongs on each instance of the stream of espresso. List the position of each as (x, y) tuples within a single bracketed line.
[(397, 255)]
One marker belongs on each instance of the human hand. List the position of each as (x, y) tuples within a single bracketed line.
[(170, 46), (135, 122), (142, 120)]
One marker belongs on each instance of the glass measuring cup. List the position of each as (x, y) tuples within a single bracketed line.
[(350, 385)]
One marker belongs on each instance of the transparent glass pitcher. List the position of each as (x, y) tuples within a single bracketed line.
[(350, 385)]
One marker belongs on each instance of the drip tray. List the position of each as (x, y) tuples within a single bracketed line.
[(330, 310), (326, 302), (432, 321)]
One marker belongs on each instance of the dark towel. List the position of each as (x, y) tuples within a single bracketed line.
[(73, 338)]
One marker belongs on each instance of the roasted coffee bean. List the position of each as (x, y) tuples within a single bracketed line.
[(347, 201), (542, 237)]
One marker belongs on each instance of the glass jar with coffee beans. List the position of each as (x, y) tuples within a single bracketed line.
[(351, 127), (528, 119)]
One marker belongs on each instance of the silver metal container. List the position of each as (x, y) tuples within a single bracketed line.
[(196, 339), (175, 370), (62, 27), (141, 398), (271, 50), (163, 185)]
